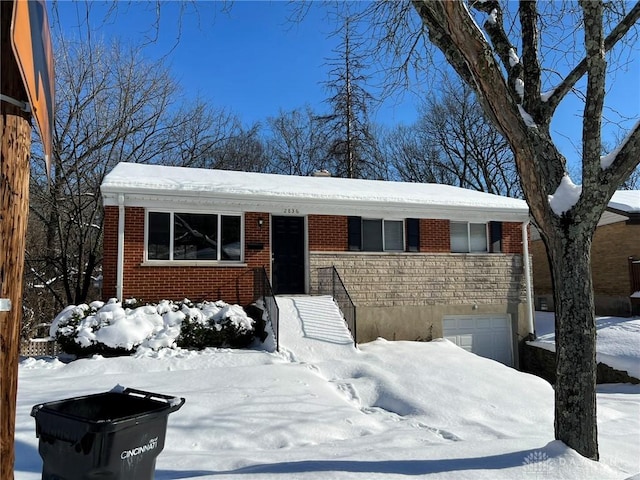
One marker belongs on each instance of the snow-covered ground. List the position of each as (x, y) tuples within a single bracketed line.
[(617, 345), (322, 409)]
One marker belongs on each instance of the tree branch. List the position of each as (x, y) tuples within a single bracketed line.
[(531, 75), (445, 21), (624, 159), (505, 50), (578, 72), (596, 71)]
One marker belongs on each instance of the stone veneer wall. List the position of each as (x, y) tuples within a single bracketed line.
[(425, 279), (404, 296)]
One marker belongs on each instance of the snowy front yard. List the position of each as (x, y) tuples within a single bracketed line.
[(383, 411), (618, 340)]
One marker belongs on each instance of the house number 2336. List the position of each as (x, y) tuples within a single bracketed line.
[(291, 211)]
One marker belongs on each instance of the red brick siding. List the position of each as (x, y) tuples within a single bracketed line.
[(328, 233), (153, 283), (435, 236), (255, 234), (512, 237), (110, 249)]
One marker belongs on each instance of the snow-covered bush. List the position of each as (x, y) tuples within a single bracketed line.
[(115, 329), (215, 324)]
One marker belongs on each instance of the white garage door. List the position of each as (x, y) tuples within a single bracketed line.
[(484, 335)]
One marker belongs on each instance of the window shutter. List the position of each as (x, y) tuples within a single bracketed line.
[(413, 234), (354, 234), (495, 236)]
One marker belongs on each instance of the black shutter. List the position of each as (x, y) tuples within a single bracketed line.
[(495, 237), (412, 226), (355, 233)]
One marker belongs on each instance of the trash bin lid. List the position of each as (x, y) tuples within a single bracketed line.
[(108, 411)]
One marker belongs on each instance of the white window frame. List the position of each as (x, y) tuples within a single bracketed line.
[(468, 225), (171, 260)]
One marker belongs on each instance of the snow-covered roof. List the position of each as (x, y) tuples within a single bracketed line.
[(624, 204), (627, 201), (176, 187)]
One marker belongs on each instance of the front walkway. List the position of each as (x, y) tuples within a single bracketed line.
[(312, 329)]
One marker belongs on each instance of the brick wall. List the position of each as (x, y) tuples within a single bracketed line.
[(512, 237), (611, 248), (426, 279), (610, 251), (256, 235), (110, 249), (233, 284), (328, 233), (612, 245), (540, 266), (435, 235)]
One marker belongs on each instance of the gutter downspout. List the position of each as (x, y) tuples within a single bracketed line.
[(527, 274), (120, 269)]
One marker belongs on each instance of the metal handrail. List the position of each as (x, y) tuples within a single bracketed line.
[(262, 291), (330, 283)]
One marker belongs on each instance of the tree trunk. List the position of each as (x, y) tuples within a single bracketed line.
[(575, 397)]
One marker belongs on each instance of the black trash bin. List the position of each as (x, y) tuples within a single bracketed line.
[(115, 435)]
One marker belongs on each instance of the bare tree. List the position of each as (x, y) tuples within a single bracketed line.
[(520, 99), (414, 156), (452, 142), (470, 148), (111, 107), (633, 181), (297, 143), (199, 132), (245, 150), (351, 143)]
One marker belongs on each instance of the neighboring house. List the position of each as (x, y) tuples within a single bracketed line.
[(615, 259), (420, 261)]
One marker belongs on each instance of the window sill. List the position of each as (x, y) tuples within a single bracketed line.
[(191, 263)]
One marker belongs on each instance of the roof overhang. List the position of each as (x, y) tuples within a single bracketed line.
[(194, 201), (632, 218)]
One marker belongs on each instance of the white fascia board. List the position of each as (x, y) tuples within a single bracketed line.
[(305, 206)]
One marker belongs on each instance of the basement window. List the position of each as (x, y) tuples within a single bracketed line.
[(179, 236)]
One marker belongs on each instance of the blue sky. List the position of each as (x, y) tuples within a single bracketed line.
[(250, 59), (255, 62)]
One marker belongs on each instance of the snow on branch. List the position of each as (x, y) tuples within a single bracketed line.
[(565, 197), (528, 119), (607, 160)]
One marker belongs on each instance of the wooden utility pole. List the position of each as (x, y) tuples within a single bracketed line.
[(15, 145)]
